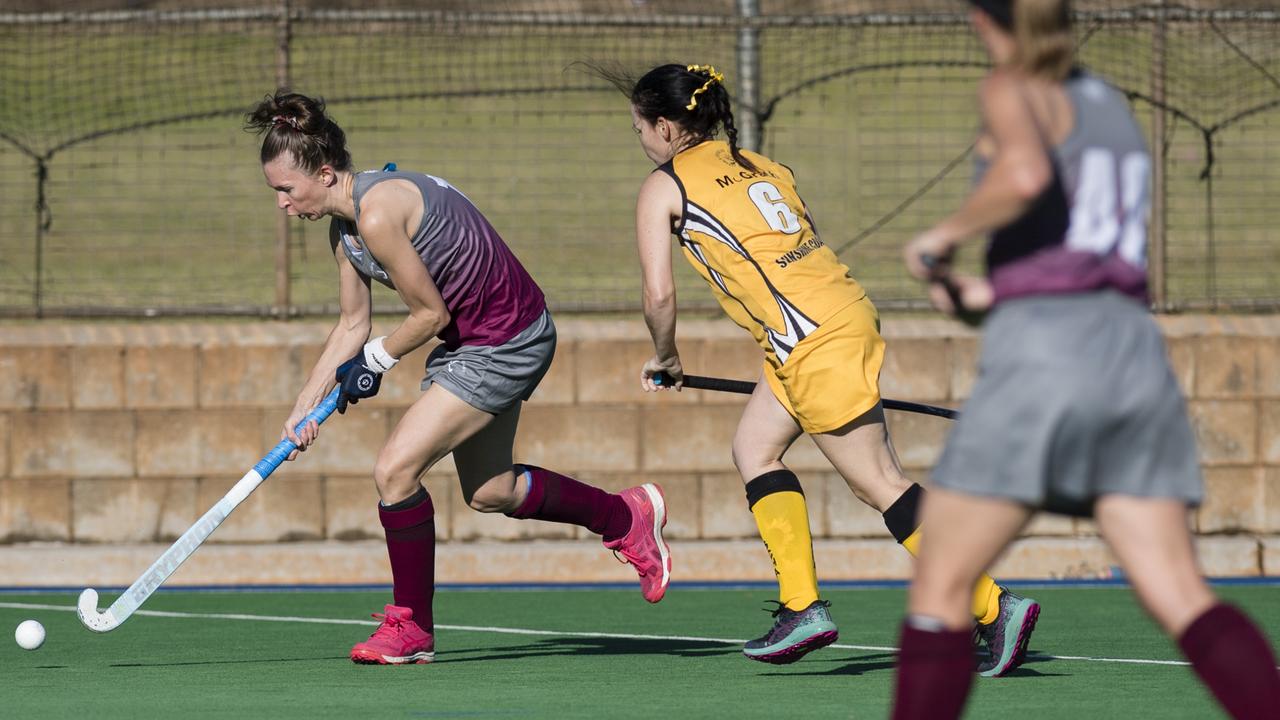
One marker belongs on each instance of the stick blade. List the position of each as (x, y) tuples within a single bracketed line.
[(87, 610)]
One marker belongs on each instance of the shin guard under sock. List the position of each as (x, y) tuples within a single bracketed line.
[(411, 545), (902, 519), (1235, 661), (935, 671), (558, 498), (777, 502)]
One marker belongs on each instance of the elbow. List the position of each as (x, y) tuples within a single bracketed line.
[(433, 319), (659, 293), (1031, 179), (657, 300)]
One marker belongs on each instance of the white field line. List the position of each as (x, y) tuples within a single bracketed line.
[(545, 633)]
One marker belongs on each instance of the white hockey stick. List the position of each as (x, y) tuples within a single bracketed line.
[(141, 589)]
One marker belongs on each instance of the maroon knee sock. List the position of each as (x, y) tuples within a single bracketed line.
[(557, 498), (411, 543), (935, 671), (1234, 659)]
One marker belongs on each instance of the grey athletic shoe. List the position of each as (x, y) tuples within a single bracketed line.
[(794, 634), (1006, 638)]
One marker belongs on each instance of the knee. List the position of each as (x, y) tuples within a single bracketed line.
[(393, 480), (944, 576), (494, 496), (942, 592), (750, 460), (739, 461)]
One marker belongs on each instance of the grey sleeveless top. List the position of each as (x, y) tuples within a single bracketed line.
[(1088, 230), (490, 296)]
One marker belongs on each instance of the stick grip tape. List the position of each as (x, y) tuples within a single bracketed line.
[(268, 464)]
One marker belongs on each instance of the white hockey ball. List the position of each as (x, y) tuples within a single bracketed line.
[(30, 634)]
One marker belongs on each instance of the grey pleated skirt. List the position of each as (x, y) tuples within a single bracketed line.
[(1074, 399)]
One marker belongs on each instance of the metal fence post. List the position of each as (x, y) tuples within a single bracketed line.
[(42, 226), (284, 33), (1159, 178), (748, 51)]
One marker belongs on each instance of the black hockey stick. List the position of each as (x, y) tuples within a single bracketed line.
[(743, 387)]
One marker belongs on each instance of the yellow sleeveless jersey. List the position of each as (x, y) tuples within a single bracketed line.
[(750, 237)]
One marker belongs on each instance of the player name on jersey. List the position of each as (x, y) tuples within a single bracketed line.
[(744, 175)]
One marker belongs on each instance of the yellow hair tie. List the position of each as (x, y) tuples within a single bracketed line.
[(712, 77)]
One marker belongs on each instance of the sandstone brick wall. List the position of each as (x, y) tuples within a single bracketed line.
[(116, 436)]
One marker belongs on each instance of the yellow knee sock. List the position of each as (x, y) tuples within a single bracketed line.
[(986, 594), (778, 505), (900, 518)]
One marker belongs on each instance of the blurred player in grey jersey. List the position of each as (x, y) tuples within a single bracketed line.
[(1075, 409)]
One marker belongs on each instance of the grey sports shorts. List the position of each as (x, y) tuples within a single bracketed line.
[(1075, 399), (494, 378)]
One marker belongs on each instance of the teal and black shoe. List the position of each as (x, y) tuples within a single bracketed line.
[(794, 634), (1006, 638)]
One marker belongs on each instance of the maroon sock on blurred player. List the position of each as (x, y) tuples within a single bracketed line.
[(1235, 661), (935, 671), (557, 498), (411, 544)]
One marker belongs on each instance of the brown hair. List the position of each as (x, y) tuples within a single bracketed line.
[(1042, 31), (298, 125)]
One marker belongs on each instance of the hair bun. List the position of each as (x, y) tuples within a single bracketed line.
[(286, 121)]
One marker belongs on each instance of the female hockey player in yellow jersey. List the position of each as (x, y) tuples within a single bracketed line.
[(745, 230)]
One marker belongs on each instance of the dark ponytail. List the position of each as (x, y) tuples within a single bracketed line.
[(692, 96), (298, 125)]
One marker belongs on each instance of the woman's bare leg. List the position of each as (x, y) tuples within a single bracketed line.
[(1232, 657)]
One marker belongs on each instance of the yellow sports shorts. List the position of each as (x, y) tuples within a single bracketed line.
[(833, 375)]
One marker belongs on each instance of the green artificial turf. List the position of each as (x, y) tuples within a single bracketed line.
[(656, 665)]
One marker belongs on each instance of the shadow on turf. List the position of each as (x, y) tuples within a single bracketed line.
[(1026, 672), (885, 661), (230, 662), (591, 646), (1032, 658), (861, 664)]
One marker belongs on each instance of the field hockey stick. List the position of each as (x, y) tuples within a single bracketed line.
[(179, 551), (963, 314), (743, 387)]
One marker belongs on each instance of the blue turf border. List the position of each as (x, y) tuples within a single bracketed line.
[(1265, 581)]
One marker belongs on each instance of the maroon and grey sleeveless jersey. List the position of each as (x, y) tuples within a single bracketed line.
[(1088, 230), (490, 296)]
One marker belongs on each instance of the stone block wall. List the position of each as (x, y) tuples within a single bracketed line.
[(118, 436)]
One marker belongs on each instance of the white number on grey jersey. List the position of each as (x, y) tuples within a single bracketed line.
[(1106, 218)]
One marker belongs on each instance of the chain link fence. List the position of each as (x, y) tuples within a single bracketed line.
[(127, 186)]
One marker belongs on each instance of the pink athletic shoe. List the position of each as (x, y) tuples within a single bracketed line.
[(643, 545), (397, 641)]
